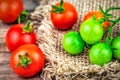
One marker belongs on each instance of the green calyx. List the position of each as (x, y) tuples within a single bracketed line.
[(27, 28), (58, 9), (22, 16), (101, 20), (24, 61)]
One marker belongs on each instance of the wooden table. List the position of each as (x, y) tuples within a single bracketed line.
[(6, 72)]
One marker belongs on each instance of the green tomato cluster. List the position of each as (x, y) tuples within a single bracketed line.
[(91, 33)]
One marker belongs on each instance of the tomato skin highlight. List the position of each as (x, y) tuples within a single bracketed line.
[(10, 10), (100, 54), (116, 45), (34, 53), (72, 43), (16, 37), (98, 15), (66, 19), (91, 31)]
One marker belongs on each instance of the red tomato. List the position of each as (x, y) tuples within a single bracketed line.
[(65, 19), (16, 37), (98, 15), (10, 10), (27, 60)]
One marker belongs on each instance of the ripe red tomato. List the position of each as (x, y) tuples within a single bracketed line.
[(10, 10), (116, 44), (16, 37), (64, 17), (98, 15), (27, 60)]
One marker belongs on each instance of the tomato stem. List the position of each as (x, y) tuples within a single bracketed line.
[(111, 37), (111, 8), (58, 9), (19, 21), (113, 24), (61, 3), (27, 27), (101, 10), (108, 41), (105, 13), (24, 61), (22, 16)]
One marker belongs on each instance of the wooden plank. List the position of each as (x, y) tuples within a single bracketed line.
[(3, 30)]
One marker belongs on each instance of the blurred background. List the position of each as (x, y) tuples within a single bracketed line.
[(31, 4)]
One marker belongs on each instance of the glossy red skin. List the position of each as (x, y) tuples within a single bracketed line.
[(34, 53), (10, 10), (16, 37), (66, 19), (98, 15)]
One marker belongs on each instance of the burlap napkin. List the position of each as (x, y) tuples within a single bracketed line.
[(60, 65)]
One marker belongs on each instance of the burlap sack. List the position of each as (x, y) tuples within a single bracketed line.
[(60, 65)]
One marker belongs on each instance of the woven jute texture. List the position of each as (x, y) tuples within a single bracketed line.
[(60, 65)]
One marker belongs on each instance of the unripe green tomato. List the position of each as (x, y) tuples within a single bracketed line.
[(91, 31), (72, 43), (100, 54), (116, 46)]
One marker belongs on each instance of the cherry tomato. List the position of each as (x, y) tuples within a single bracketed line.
[(116, 45), (100, 54), (27, 60), (98, 15), (91, 31), (10, 10), (72, 43), (17, 35), (64, 17)]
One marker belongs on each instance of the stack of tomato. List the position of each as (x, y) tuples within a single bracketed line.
[(95, 24), (27, 59)]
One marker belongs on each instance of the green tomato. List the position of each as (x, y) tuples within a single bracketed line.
[(100, 54), (72, 43), (116, 45), (91, 31)]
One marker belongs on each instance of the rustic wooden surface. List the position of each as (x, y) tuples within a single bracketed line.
[(5, 71)]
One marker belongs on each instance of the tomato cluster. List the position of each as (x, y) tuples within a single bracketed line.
[(27, 59), (95, 24), (21, 39)]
